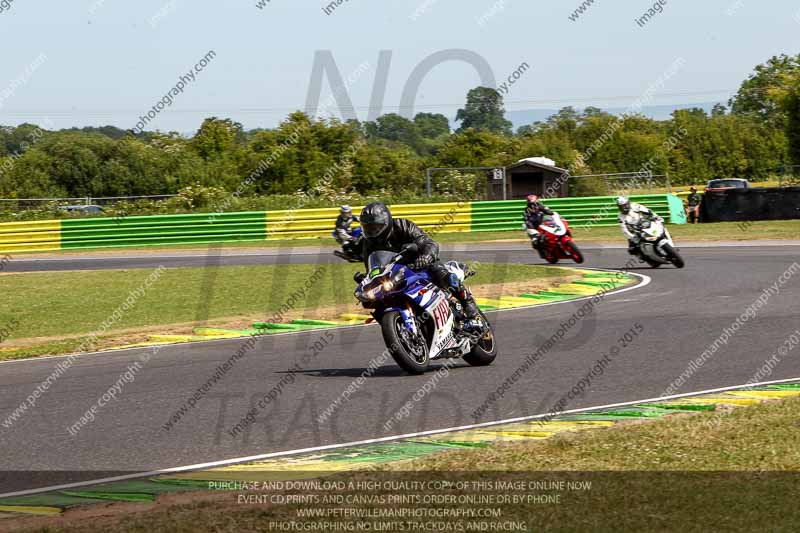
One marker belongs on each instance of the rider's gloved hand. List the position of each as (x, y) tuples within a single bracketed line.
[(422, 262)]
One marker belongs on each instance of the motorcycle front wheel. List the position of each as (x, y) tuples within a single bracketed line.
[(409, 352), (674, 256), (575, 252)]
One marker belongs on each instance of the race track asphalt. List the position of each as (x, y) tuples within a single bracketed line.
[(680, 313), (231, 256)]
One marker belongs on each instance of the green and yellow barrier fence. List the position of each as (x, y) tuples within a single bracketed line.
[(32, 236), (308, 223), (202, 228), (199, 228), (587, 211)]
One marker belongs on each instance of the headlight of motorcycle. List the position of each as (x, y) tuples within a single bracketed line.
[(373, 289), (388, 284), (385, 284), (394, 282), (367, 294)]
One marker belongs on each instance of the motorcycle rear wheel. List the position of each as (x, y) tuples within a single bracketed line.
[(409, 354), (485, 352)]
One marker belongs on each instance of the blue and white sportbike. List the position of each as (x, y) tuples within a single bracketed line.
[(420, 322), (351, 248)]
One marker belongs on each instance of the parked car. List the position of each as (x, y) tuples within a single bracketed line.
[(82, 209), (727, 183)]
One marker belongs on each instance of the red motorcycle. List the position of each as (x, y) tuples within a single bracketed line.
[(553, 240)]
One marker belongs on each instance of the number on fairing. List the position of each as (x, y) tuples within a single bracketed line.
[(441, 313)]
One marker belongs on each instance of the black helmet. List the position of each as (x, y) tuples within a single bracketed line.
[(376, 220)]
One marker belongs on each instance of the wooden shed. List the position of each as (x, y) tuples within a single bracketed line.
[(533, 177)]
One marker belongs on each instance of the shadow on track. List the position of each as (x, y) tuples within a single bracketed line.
[(390, 371)]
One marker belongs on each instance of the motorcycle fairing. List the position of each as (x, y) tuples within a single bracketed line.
[(554, 226), (420, 297), (654, 236)]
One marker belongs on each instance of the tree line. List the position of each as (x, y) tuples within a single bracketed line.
[(756, 135)]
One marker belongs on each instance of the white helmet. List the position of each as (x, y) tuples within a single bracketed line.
[(345, 209), (624, 204)]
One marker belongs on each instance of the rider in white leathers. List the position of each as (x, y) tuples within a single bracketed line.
[(631, 214)]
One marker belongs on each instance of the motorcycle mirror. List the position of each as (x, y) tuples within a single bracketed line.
[(358, 277)]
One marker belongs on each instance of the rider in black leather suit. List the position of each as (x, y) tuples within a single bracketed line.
[(382, 232)]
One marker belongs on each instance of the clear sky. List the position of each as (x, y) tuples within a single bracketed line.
[(110, 61)]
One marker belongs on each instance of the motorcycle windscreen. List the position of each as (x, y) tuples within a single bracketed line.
[(377, 261)]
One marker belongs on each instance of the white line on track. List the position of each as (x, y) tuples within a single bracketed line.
[(273, 455), (645, 280)]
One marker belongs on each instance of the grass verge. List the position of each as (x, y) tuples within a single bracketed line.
[(52, 312), (732, 471)]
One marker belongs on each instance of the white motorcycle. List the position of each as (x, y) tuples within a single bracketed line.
[(420, 322), (656, 247)]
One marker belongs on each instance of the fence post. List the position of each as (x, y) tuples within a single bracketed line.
[(428, 181)]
